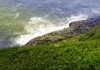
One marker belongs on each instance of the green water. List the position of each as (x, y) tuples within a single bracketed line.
[(23, 20)]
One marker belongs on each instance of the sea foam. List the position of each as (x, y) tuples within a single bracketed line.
[(38, 26)]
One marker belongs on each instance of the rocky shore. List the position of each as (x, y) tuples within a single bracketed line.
[(74, 29)]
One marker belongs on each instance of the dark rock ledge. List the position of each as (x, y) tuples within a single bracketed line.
[(74, 29)]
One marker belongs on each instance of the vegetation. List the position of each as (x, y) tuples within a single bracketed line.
[(79, 53)]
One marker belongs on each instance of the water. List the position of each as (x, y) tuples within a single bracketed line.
[(22, 20)]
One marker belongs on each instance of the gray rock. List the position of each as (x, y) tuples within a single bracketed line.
[(75, 28)]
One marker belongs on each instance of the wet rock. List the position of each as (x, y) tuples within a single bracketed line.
[(75, 28)]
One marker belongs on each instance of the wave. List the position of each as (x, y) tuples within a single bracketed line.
[(56, 15), (38, 26)]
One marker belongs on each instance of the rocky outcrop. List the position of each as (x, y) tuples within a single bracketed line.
[(85, 23), (75, 28)]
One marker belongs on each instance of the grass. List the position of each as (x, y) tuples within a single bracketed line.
[(79, 53)]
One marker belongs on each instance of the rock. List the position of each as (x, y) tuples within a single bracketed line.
[(75, 28), (85, 23)]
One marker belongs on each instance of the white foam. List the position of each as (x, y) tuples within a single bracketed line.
[(77, 18), (38, 26)]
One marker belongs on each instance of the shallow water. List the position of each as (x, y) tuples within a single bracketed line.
[(22, 20)]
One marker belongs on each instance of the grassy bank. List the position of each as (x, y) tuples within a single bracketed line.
[(78, 53)]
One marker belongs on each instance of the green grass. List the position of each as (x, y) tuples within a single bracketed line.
[(79, 53)]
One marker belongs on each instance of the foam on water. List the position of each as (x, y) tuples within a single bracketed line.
[(38, 26), (48, 16)]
